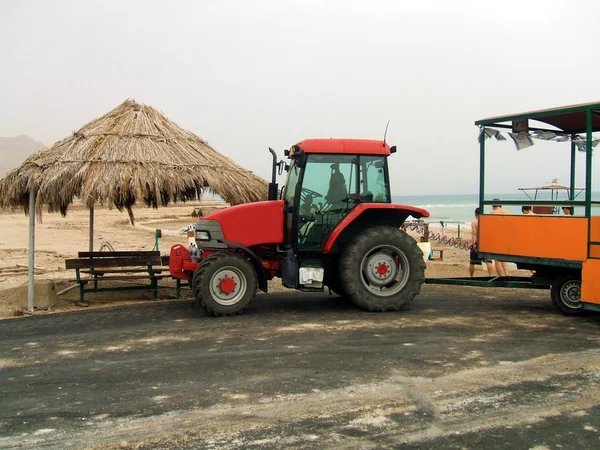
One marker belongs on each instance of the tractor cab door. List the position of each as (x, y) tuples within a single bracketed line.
[(322, 188), (320, 191), (328, 189), (291, 199)]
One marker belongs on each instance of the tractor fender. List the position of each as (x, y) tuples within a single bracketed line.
[(366, 215), (261, 276)]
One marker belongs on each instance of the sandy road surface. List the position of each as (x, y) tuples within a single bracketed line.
[(463, 368)]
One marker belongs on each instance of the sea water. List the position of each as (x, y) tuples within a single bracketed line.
[(454, 209)]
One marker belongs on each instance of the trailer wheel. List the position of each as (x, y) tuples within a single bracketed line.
[(566, 295), (224, 284), (382, 269)]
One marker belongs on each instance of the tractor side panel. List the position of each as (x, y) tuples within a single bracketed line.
[(251, 223), (400, 211)]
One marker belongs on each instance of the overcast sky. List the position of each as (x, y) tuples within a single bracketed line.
[(245, 75)]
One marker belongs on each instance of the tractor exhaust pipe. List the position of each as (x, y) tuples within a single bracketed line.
[(273, 184)]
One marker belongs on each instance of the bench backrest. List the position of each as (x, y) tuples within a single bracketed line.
[(88, 260)]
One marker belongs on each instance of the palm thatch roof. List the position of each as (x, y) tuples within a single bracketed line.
[(131, 154)]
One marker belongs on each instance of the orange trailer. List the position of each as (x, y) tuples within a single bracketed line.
[(563, 252)]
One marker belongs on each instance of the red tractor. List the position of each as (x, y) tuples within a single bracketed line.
[(333, 224)]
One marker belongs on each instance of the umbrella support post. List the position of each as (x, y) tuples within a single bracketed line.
[(92, 229), (31, 268)]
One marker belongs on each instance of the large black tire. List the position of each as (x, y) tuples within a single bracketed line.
[(374, 251), (211, 291), (566, 295)]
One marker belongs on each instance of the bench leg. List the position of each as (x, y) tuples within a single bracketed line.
[(154, 284), (81, 293)]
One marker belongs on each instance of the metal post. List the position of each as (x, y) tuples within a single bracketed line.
[(481, 170), (572, 185), (30, 269), (91, 229), (588, 175), (588, 165)]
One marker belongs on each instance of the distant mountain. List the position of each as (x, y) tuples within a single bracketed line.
[(14, 150)]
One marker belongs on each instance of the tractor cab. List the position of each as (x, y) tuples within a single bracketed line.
[(325, 182)]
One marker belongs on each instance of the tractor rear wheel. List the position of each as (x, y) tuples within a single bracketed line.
[(566, 295), (382, 269), (224, 284)]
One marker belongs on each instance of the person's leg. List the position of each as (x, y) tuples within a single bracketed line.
[(500, 269), (505, 267), (472, 261), (490, 268)]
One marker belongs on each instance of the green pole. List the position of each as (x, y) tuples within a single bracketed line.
[(572, 185), (481, 169), (588, 174), (157, 234), (588, 164)]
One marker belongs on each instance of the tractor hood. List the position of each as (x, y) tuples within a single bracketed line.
[(248, 224)]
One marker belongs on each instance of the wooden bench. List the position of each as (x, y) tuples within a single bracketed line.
[(96, 267), (440, 252)]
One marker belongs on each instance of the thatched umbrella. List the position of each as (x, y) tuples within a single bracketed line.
[(131, 154)]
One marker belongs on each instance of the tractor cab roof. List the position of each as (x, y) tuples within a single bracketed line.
[(343, 146)]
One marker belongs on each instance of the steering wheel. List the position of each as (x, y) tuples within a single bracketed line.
[(305, 192)]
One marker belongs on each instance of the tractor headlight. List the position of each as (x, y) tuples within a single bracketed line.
[(202, 235)]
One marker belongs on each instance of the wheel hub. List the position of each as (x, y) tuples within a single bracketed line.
[(227, 285), (380, 269), (571, 293)]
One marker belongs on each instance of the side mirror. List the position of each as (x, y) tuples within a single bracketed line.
[(281, 166), (393, 149)]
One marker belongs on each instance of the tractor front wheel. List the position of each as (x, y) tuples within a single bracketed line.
[(382, 269), (224, 284)]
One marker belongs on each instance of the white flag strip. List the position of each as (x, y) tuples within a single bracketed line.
[(581, 145), (522, 140), (492, 133), (544, 135)]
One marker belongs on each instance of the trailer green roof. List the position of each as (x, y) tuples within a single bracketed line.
[(570, 119)]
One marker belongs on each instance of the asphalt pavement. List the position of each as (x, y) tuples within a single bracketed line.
[(461, 368)]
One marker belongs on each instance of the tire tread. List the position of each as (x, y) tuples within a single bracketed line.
[(350, 262)]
